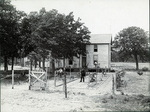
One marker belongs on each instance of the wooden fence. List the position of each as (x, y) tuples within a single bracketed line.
[(37, 80)]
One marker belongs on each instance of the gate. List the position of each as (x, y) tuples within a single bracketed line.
[(37, 80)]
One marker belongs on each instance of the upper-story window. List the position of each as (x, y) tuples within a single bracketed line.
[(95, 48)]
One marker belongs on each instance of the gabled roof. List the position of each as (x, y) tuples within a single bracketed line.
[(100, 38)]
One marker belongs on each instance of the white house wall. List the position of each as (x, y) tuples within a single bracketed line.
[(109, 56), (76, 63), (89, 56), (103, 55)]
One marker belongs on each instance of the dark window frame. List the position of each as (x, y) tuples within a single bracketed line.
[(95, 48)]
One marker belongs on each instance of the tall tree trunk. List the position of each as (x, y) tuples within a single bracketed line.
[(5, 63), (79, 61), (64, 63), (39, 63), (31, 62), (12, 59), (53, 67), (44, 63), (35, 60), (136, 60)]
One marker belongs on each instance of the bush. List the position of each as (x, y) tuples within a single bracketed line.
[(88, 69), (72, 69), (144, 69), (92, 70), (140, 72), (112, 70), (119, 81), (100, 70)]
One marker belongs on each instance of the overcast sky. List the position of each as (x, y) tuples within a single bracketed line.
[(100, 16)]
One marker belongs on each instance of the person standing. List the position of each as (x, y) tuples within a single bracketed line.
[(61, 72), (82, 75)]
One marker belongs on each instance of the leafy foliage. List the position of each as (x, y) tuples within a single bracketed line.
[(59, 33), (40, 33), (132, 42), (14, 33)]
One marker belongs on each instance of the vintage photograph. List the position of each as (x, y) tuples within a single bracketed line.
[(74, 55)]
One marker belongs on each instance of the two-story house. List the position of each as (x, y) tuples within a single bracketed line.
[(98, 52)]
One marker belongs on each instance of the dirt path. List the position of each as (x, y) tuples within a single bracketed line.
[(80, 97), (101, 87)]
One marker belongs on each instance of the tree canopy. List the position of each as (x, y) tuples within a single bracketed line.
[(132, 42), (58, 33), (14, 33), (40, 32)]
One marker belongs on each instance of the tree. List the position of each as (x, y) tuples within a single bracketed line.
[(132, 42), (60, 34), (70, 36), (41, 36), (26, 43), (8, 31), (15, 33)]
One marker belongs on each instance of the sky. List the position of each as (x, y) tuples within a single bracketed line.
[(100, 16)]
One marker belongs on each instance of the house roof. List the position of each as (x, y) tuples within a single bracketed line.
[(100, 38)]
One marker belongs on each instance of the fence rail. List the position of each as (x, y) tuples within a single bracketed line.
[(37, 80)]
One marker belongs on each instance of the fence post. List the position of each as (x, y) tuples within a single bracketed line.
[(113, 83), (65, 85), (55, 78), (46, 72), (46, 76), (70, 71), (12, 79), (29, 80)]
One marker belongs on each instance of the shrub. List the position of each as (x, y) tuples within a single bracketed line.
[(145, 100), (140, 72), (100, 70), (112, 70), (144, 69), (119, 81), (92, 70), (72, 69)]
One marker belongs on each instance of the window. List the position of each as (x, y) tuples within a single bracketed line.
[(70, 62), (95, 59), (95, 48)]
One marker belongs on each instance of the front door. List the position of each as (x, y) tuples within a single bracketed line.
[(83, 61)]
